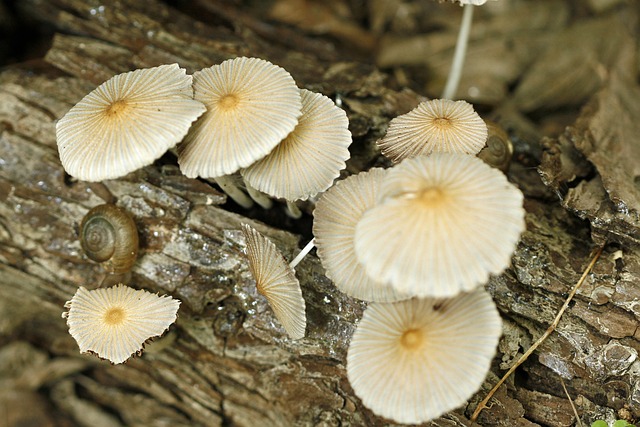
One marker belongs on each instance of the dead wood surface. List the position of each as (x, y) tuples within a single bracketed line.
[(227, 361)]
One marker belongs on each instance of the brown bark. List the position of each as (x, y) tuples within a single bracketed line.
[(227, 361)]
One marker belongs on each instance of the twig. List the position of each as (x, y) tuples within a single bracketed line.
[(544, 336), (575, 411)]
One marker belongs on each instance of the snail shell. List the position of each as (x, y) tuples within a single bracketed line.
[(109, 235), (499, 150)]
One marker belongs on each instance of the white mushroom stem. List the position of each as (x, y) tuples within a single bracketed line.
[(232, 190), (259, 197), (293, 210), (458, 56), (303, 253)]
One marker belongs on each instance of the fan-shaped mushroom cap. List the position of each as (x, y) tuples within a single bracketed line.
[(115, 322), (127, 122), (334, 226), (308, 160), (251, 106), (414, 360), (442, 224), (276, 281), (436, 126)]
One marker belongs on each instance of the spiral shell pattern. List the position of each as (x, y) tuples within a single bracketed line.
[(109, 235)]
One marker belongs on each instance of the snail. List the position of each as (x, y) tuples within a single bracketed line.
[(498, 151), (109, 235)]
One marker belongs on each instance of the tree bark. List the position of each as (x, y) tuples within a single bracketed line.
[(227, 361)]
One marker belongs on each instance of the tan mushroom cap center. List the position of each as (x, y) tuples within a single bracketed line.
[(114, 316), (228, 102), (117, 108), (431, 196), (443, 123), (412, 339)]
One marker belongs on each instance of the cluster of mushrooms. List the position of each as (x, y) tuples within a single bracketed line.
[(251, 118), (417, 240)]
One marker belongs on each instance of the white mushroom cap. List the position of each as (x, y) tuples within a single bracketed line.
[(436, 126), (442, 224), (115, 322), (334, 227), (473, 2), (308, 160), (251, 106), (414, 360), (276, 281), (127, 122)]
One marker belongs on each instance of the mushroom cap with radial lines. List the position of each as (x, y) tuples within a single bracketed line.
[(442, 224), (115, 322), (308, 160), (276, 281), (251, 106), (127, 122), (436, 126), (414, 360), (334, 227)]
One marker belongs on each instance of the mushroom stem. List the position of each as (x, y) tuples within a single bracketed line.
[(293, 211), (458, 56), (303, 253), (232, 190), (258, 196)]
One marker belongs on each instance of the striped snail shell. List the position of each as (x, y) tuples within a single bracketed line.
[(499, 150), (109, 235)]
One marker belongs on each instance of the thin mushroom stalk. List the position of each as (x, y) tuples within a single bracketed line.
[(259, 197), (455, 73), (232, 190), (303, 253), (293, 210)]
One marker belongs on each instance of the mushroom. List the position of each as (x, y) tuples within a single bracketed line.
[(414, 360), (308, 160), (453, 80), (436, 126), (441, 225), (251, 106), (126, 123), (334, 226), (276, 281), (114, 323)]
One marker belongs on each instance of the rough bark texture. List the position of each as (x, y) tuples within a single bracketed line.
[(227, 361)]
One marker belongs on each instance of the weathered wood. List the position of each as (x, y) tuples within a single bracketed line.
[(227, 361)]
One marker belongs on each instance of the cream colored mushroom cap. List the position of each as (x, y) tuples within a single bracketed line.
[(442, 224), (436, 126), (308, 160), (252, 105), (276, 281), (473, 2), (334, 226), (127, 122), (115, 322), (414, 360)]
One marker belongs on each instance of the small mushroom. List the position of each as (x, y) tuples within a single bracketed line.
[(453, 79), (308, 160), (251, 106), (276, 281), (126, 123), (441, 225), (114, 323), (436, 126), (414, 360), (334, 227)]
